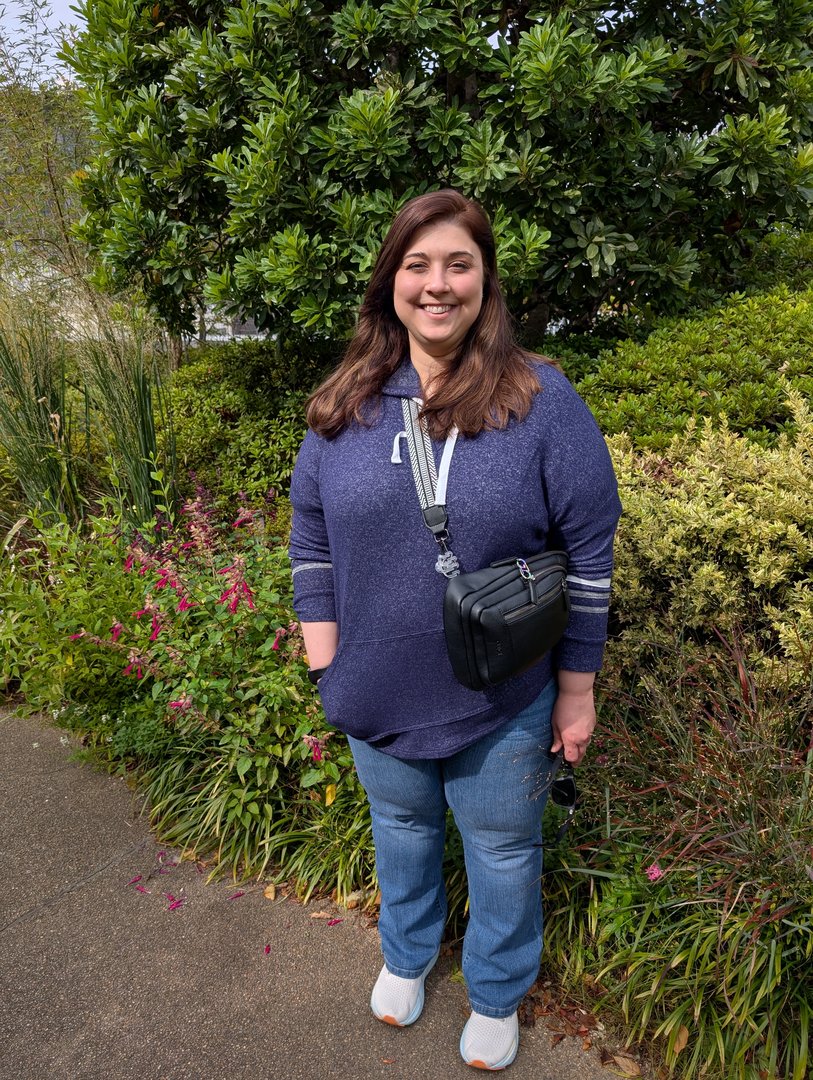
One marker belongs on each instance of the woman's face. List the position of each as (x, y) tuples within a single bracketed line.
[(438, 289)]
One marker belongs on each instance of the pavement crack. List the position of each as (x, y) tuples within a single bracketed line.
[(72, 886)]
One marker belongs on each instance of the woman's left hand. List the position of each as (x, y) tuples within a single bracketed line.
[(574, 715)]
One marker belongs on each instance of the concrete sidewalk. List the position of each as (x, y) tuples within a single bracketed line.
[(100, 981)]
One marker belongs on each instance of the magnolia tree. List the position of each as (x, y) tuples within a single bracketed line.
[(252, 155)]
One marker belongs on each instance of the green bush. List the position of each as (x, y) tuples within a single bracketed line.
[(735, 361), (176, 657), (239, 417), (782, 258)]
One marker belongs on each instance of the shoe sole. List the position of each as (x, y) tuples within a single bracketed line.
[(418, 1009)]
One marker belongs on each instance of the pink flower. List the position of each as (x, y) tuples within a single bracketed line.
[(128, 563), (156, 627), (316, 746), (238, 587), (280, 634), (165, 580), (654, 872), (75, 637), (134, 666), (115, 631), (182, 703), (185, 604), (142, 611)]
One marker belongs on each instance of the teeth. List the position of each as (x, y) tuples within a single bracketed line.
[(437, 309)]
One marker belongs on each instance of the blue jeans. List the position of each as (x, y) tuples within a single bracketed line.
[(496, 789)]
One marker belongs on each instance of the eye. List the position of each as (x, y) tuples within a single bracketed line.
[(415, 266), (461, 266)]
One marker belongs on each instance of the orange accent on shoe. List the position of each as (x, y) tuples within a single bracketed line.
[(391, 1020), (477, 1064)]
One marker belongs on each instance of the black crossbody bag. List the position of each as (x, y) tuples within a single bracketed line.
[(500, 620)]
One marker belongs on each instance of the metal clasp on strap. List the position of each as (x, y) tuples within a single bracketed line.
[(526, 574), (436, 519)]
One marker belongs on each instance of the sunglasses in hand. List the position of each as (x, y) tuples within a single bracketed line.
[(564, 793)]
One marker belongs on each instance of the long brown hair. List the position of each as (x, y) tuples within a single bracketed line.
[(490, 379)]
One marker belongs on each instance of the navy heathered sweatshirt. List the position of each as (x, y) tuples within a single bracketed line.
[(362, 557)]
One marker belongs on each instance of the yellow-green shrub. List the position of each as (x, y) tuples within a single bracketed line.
[(717, 535)]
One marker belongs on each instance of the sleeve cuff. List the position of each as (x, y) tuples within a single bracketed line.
[(314, 600)]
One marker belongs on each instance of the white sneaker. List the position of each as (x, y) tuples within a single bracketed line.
[(487, 1043), (399, 1001)]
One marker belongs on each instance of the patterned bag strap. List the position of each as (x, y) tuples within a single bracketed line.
[(430, 482)]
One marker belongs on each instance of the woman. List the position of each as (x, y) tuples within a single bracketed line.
[(529, 471)]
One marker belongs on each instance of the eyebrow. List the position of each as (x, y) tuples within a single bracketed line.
[(423, 255)]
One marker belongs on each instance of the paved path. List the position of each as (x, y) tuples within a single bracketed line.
[(99, 981)]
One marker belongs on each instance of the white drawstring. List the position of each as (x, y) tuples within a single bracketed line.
[(396, 448)]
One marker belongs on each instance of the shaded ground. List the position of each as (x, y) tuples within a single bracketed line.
[(102, 981)]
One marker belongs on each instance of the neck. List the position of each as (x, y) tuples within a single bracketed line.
[(428, 368)]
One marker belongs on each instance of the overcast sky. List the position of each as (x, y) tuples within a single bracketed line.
[(60, 14)]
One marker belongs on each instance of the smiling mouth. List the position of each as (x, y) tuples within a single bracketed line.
[(437, 309)]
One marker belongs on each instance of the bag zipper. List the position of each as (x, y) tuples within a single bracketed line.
[(519, 613)]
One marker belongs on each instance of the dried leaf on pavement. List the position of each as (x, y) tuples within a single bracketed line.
[(628, 1066)]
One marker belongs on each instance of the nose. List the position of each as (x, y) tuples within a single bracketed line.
[(436, 282)]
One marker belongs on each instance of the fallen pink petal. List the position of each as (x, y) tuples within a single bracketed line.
[(140, 888), (267, 950), (235, 896), (334, 922), (132, 881), (174, 905)]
